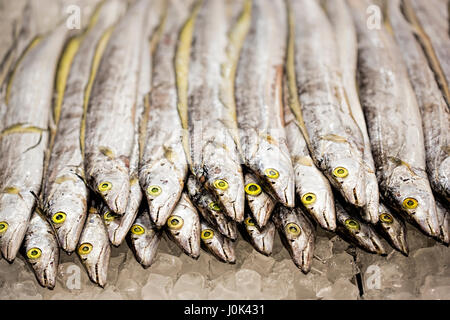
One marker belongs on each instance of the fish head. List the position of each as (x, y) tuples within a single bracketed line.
[(217, 244), (44, 261), (145, 238), (394, 228), (260, 203), (261, 239)]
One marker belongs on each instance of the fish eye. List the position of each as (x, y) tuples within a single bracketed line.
[(84, 248), (3, 226), (154, 191), (104, 186), (137, 229), (207, 234), (352, 224), (272, 173), (214, 206), (59, 217), (410, 203), (253, 189), (175, 222), (293, 229), (386, 218), (34, 253), (221, 184), (340, 172), (109, 216), (308, 198), (250, 222)]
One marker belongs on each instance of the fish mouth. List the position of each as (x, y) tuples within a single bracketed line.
[(376, 245), (10, 243)]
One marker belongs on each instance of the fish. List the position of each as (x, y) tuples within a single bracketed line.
[(163, 165), (357, 232), (261, 239), (334, 139), (210, 209), (93, 247), (212, 153), (433, 108), (215, 243), (259, 102), (346, 39), (110, 116), (393, 229), (24, 137), (394, 124), (297, 234), (444, 217), (65, 195), (260, 203), (311, 186), (42, 250), (183, 227), (144, 239)]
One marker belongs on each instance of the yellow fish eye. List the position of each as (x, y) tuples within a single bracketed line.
[(154, 191), (109, 216), (272, 173), (214, 206), (308, 198), (352, 224), (59, 217), (207, 234), (340, 172), (3, 226), (410, 203), (293, 229), (84, 248), (250, 222), (253, 189), (175, 222), (34, 253), (137, 229), (221, 184), (104, 186), (386, 218)]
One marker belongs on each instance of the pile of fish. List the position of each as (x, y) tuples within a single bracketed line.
[(205, 119)]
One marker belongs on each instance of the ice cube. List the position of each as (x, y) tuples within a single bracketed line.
[(190, 286), (167, 265), (201, 265), (248, 284), (128, 288), (158, 287), (220, 292), (342, 289), (436, 288), (340, 266), (259, 263), (323, 248), (109, 293)]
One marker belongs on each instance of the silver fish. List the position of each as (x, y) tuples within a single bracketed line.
[(260, 203), (444, 217), (110, 116), (259, 91), (65, 193), (183, 227), (23, 140), (394, 123), (333, 137), (260, 239), (210, 208), (297, 234), (94, 249), (219, 246), (144, 238), (41, 250), (393, 229), (163, 167)]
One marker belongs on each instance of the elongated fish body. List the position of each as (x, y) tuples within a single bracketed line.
[(334, 139), (65, 193), (312, 187), (42, 250), (394, 124), (393, 229), (260, 203), (210, 208), (434, 110), (183, 227), (215, 243), (259, 88), (24, 138), (212, 152), (347, 42), (94, 249), (144, 239), (163, 165), (297, 234), (261, 239), (110, 117)]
